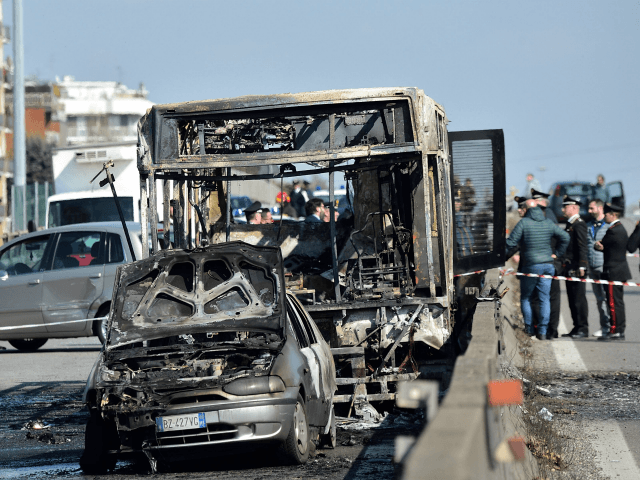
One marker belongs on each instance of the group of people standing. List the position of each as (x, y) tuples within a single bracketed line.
[(595, 249), (299, 204)]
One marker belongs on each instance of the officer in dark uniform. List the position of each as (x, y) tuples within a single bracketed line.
[(252, 212), (634, 239), (554, 294), (543, 203), (298, 198), (614, 248), (575, 263)]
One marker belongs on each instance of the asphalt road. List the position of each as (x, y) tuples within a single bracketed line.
[(609, 413), (47, 385)]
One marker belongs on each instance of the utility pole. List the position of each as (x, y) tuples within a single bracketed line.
[(4, 167), (19, 142)]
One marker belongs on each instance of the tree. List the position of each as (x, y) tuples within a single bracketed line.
[(39, 160)]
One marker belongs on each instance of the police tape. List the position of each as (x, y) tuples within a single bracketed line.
[(571, 279), (510, 271), (16, 327)]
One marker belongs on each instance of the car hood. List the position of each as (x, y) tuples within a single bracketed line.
[(227, 287)]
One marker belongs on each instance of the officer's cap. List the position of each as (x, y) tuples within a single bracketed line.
[(571, 201), (254, 207)]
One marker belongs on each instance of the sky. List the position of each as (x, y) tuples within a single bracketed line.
[(562, 79)]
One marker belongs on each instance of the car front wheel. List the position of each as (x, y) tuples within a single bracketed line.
[(296, 447), (99, 437), (28, 344)]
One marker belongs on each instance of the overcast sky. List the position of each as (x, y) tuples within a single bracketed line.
[(561, 79)]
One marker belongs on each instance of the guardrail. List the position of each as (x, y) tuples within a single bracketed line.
[(474, 433)]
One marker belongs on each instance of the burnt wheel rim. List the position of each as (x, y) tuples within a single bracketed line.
[(300, 428)]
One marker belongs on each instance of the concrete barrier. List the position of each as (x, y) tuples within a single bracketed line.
[(468, 438)]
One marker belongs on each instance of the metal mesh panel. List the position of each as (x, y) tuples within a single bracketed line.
[(474, 192)]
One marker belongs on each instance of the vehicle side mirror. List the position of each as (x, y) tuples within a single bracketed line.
[(4, 275)]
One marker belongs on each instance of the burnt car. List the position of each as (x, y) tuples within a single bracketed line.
[(205, 348)]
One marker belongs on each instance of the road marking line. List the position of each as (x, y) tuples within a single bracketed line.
[(612, 451), (567, 355), (562, 326)]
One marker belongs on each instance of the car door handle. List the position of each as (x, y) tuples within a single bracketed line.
[(97, 275), (34, 282)]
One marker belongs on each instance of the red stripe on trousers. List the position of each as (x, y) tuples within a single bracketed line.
[(612, 309)]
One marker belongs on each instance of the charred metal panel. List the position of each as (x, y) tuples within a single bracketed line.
[(304, 247), (168, 138), (296, 128), (229, 286), (426, 273), (478, 181)]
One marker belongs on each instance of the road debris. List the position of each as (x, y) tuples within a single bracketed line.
[(38, 424), (545, 414), (48, 437)]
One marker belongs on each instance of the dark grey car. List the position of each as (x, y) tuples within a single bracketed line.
[(206, 348)]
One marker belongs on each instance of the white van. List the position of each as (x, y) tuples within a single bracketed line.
[(91, 206)]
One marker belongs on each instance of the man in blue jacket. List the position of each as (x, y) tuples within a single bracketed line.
[(596, 229), (532, 235), (554, 294)]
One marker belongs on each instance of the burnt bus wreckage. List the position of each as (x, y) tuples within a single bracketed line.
[(425, 205), (380, 283)]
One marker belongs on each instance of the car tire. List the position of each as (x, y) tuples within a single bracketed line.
[(28, 344), (295, 449), (329, 440), (100, 327), (98, 437)]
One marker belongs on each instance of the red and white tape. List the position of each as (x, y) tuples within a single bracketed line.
[(510, 271)]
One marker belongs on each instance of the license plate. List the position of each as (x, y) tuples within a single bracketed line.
[(181, 422)]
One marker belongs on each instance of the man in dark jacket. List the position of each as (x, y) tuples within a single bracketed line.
[(634, 239), (575, 263), (614, 246), (314, 209), (298, 198), (532, 235)]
